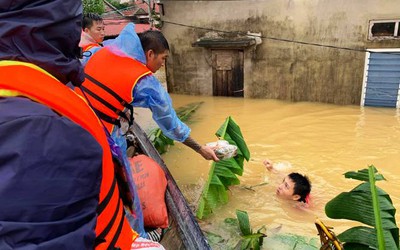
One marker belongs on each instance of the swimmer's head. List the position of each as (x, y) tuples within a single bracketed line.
[(294, 187)]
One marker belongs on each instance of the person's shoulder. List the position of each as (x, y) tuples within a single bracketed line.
[(150, 81), (304, 206), (18, 107)]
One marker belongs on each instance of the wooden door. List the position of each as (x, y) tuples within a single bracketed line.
[(227, 72)]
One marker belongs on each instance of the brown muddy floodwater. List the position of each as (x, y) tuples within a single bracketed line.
[(321, 140)]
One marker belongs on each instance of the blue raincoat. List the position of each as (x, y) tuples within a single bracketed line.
[(148, 92)]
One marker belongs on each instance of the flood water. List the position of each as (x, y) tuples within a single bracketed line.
[(321, 140)]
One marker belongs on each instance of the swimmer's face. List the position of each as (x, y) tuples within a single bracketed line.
[(286, 190)]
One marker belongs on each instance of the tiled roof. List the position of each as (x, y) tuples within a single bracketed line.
[(144, 6), (114, 27), (115, 20)]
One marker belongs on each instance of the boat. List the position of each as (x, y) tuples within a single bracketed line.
[(184, 232)]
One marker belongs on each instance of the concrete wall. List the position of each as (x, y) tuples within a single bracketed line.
[(276, 69)]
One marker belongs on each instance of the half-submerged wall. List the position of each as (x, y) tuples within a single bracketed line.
[(278, 69)]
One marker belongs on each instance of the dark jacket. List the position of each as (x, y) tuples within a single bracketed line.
[(44, 157), (45, 33)]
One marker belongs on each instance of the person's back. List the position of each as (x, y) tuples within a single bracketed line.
[(52, 167)]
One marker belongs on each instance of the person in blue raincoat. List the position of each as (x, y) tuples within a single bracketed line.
[(111, 69)]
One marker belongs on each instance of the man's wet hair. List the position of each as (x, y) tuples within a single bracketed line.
[(89, 19), (302, 185), (153, 40)]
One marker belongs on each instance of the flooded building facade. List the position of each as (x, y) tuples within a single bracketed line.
[(291, 50)]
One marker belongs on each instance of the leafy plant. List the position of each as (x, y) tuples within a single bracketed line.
[(222, 174), (119, 5), (156, 18), (249, 239), (95, 6), (160, 141), (157, 137), (370, 205)]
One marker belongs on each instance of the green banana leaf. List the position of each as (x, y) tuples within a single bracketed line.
[(160, 141), (362, 236), (363, 174), (244, 223), (370, 205), (224, 173), (249, 240)]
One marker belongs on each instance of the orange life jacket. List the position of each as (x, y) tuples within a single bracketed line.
[(89, 46), (112, 228), (109, 83)]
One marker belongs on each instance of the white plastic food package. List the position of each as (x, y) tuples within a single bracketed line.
[(223, 149)]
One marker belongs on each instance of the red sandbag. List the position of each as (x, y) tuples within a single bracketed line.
[(151, 185)]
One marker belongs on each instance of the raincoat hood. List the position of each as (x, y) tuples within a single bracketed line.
[(127, 44), (45, 33)]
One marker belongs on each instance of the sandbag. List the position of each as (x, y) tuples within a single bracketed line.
[(151, 185)]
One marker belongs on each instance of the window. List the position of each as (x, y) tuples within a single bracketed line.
[(384, 29)]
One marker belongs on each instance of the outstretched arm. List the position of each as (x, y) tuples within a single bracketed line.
[(148, 93), (270, 166), (206, 151)]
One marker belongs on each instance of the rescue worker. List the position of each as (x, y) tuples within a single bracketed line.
[(119, 76), (92, 31), (58, 189)]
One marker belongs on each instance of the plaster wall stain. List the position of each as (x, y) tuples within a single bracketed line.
[(279, 69)]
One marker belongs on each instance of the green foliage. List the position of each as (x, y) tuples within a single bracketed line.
[(249, 239), (118, 5), (156, 19), (223, 173), (157, 137), (291, 241), (244, 223), (184, 113), (160, 141), (370, 205), (93, 6), (227, 236)]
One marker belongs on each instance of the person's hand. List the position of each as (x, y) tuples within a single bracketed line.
[(208, 153), (268, 164)]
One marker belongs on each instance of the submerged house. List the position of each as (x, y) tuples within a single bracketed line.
[(320, 51)]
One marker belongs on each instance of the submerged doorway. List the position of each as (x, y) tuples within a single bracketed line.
[(227, 72)]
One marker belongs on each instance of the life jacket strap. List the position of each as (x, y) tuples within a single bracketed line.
[(110, 91), (107, 118), (102, 205), (101, 237), (108, 105)]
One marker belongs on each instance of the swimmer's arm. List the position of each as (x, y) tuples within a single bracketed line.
[(269, 166)]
